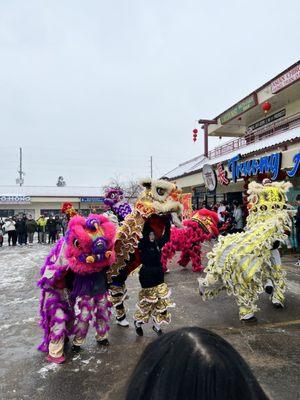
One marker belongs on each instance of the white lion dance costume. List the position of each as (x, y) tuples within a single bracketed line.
[(247, 263)]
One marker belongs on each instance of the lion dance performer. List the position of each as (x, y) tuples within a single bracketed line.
[(247, 263), (201, 227), (74, 278), (156, 206)]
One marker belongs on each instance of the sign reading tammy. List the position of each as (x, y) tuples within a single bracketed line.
[(14, 199)]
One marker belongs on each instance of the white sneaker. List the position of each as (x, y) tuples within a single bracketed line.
[(123, 323), (277, 304)]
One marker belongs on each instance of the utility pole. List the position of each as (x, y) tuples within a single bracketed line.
[(20, 172), (151, 167)]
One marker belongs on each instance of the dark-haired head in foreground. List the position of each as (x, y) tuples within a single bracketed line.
[(192, 364)]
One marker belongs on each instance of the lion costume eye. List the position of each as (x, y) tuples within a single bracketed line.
[(160, 191), (101, 245), (76, 243)]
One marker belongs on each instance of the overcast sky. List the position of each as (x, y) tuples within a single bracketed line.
[(90, 89)]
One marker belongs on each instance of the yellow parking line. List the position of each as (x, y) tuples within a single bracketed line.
[(256, 326)]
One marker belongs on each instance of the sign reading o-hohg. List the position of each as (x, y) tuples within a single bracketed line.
[(14, 199)]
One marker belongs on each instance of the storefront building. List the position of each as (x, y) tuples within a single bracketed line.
[(266, 130), (47, 200)]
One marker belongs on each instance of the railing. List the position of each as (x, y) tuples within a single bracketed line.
[(250, 137)]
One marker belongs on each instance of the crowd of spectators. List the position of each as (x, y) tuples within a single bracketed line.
[(232, 216), (22, 229)]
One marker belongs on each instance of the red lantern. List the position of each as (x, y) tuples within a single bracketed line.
[(266, 106), (195, 132)]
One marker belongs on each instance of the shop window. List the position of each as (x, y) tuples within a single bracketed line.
[(47, 212), (7, 213)]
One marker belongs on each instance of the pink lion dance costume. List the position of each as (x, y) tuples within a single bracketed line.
[(201, 227), (74, 278)]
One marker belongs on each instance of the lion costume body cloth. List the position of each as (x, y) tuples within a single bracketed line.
[(201, 227), (158, 204), (244, 263), (74, 287)]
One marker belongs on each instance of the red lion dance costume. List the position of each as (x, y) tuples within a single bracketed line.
[(201, 227)]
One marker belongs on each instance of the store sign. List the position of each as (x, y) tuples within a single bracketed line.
[(14, 199), (222, 175), (286, 79), (209, 177), (266, 121), (296, 167), (266, 164), (91, 200), (239, 108)]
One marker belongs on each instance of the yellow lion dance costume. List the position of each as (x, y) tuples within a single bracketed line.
[(245, 264)]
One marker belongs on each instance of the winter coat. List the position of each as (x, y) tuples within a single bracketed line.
[(58, 224), (151, 273), (31, 226), (41, 224), (238, 217), (51, 226), (9, 226), (21, 226)]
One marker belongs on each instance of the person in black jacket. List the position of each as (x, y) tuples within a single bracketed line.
[(51, 228), (21, 230), (154, 297)]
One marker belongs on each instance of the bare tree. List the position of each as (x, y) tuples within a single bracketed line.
[(131, 188), (60, 181)]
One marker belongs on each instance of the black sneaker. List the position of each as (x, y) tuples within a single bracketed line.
[(138, 329), (75, 348), (103, 342), (249, 321), (159, 332)]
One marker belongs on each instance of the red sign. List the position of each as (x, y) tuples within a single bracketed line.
[(222, 175), (286, 79), (186, 200)]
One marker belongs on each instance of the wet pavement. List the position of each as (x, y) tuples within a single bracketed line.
[(272, 347)]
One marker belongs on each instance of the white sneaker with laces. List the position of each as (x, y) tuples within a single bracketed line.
[(123, 323)]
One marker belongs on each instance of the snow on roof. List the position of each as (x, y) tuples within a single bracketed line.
[(186, 167), (50, 191), (191, 166)]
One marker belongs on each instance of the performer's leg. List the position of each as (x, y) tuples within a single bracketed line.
[(246, 310), (117, 297), (196, 258), (102, 317), (160, 310), (85, 306), (143, 311), (57, 337), (184, 258), (277, 275)]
